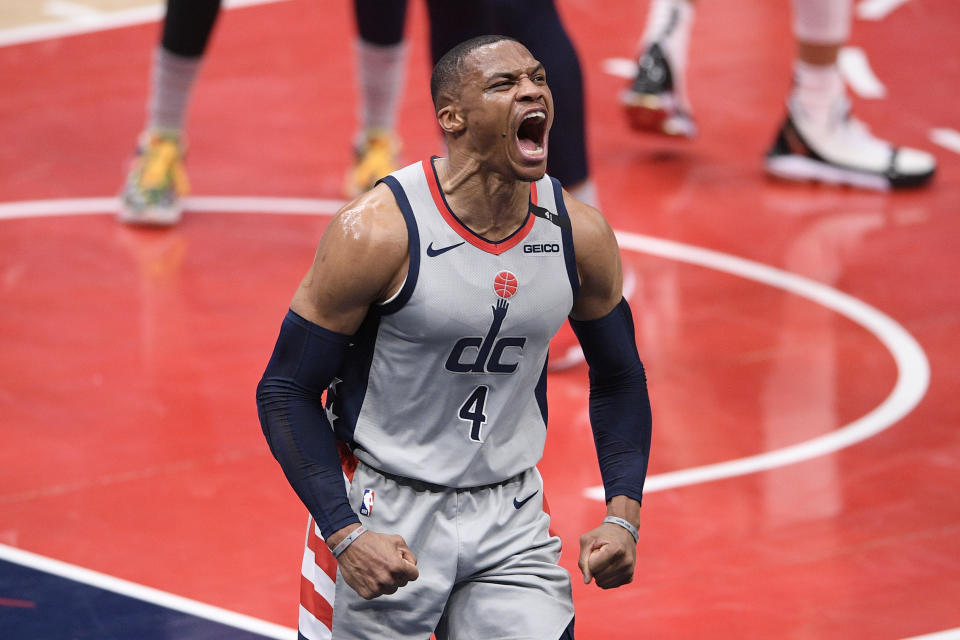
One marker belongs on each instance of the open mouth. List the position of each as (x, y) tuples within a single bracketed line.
[(531, 134)]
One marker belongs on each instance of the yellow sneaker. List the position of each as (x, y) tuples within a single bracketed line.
[(156, 182), (375, 157)]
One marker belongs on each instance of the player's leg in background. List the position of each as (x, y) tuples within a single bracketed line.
[(157, 179), (537, 25), (656, 100), (819, 139), (381, 55), (454, 22)]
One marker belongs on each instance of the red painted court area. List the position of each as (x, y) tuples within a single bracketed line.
[(129, 357)]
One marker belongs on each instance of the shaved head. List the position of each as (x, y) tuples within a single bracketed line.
[(448, 72)]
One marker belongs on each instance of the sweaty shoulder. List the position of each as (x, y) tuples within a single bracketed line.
[(369, 226), (598, 261), (361, 260)]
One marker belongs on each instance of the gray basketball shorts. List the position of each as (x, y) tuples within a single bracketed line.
[(488, 564)]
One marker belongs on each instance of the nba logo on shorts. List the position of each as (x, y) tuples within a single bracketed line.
[(366, 506)]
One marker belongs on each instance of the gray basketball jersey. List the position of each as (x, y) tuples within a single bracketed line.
[(446, 382)]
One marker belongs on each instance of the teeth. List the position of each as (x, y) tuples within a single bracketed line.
[(539, 115)]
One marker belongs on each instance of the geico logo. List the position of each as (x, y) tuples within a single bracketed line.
[(542, 248)]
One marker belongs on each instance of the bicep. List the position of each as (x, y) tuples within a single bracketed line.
[(598, 264)]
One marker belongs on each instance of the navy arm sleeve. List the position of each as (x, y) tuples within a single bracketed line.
[(305, 360), (619, 404)]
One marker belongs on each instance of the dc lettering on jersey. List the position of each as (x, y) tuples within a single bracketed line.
[(490, 353)]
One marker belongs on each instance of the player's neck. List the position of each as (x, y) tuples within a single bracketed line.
[(490, 204)]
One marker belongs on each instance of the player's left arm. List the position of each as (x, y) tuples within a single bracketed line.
[(619, 404)]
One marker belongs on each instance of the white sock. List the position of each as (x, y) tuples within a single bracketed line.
[(669, 23), (380, 76), (822, 21), (172, 81), (818, 92)]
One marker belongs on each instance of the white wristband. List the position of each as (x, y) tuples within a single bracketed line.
[(346, 542), (626, 525)]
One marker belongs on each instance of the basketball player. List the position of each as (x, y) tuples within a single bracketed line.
[(381, 53), (426, 316), (818, 139), (157, 180)]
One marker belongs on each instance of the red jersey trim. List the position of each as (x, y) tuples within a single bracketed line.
[(496, 248)]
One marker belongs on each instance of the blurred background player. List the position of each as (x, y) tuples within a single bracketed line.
[(381, 56), (819, 140), (157, 180)]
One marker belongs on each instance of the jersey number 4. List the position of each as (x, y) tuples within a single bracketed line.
[(472, 411)]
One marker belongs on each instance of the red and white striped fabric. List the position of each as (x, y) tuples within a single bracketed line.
[(317, 586), (318, 572)]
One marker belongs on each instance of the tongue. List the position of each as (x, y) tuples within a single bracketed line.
[(527, 145)]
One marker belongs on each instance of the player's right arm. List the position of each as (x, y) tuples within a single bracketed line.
[(361, 260)]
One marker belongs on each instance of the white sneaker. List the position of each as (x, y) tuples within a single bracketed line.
[(841, 150)]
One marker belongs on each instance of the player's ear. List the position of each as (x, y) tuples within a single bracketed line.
[(451, 119)]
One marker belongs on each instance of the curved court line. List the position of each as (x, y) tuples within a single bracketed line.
[(949, 634), (913, 369)]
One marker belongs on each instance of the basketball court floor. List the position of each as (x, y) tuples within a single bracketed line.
[(800, 341)]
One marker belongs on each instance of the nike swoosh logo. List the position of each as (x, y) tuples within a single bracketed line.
[(433, 253), (519, 503)]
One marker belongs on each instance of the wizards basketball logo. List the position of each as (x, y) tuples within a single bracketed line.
[(490, 353), (505, 284)]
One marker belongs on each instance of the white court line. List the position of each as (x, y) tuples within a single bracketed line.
[(71, 11), (105, 20), (620, 67), (146, 594), (853, 63), (913, 369), (912, 366), (225, 204), (949, 634), (946, 138), (855, 68), (877, 9)]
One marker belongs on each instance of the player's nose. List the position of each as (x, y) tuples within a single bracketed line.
[(529, 90)]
